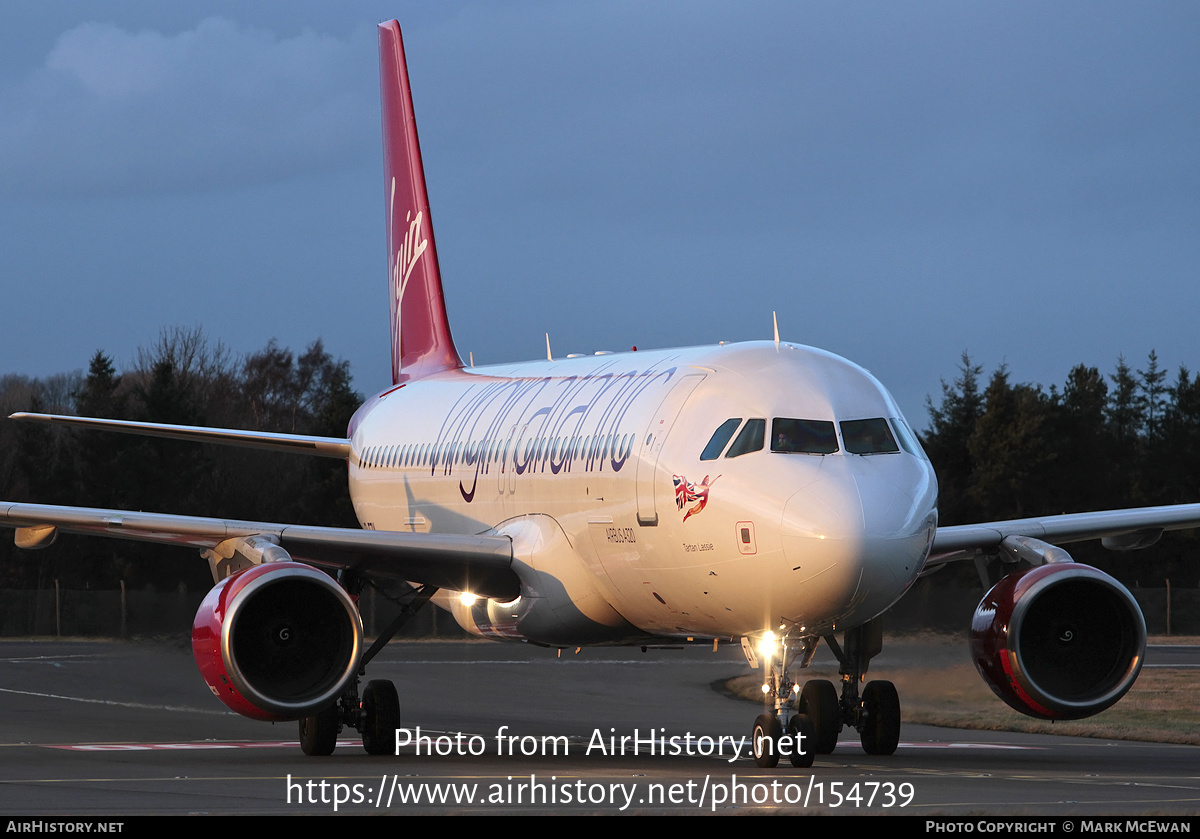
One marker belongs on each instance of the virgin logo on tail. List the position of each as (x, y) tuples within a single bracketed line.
[(419, 312), (404, 260)]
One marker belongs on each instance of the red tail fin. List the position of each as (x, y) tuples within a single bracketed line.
[(421, 341)]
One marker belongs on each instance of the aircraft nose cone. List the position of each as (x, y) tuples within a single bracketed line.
[(823, 539), (855, 540)]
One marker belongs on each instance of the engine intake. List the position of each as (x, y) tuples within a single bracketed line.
[(1059, 642), (278, 641)]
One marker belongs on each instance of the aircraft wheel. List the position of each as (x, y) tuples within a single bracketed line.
[(803, 738), (380, 717), (318, 733), (765, 739), (819, 700), (880, 731)]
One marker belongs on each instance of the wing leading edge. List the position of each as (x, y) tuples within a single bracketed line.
[(479, 564), (1138, 527), (296, 443)]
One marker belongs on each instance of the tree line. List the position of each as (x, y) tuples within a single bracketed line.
[(1127, 439), (184, 379), (1001, 450)]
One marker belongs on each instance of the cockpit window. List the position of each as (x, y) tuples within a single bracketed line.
[(720, 437), (908, 440), (803, 436), (750, 440), (868, 436)]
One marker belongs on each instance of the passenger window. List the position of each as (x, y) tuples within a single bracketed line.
[(803, 436), (716, 443), (750, 440), (868, 436)]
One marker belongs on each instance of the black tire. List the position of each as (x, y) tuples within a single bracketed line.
[(819, 700), (766, 728), (880, 732), (318, 733), (380, 717), (803, 738)]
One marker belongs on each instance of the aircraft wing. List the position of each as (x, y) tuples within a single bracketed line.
[(295, 443), (1130, 529), (480, 564)]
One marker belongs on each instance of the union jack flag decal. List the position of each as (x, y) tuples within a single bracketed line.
[(686, 492)]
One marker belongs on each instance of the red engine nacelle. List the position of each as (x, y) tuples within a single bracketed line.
[(278, 641), (1059, 642)]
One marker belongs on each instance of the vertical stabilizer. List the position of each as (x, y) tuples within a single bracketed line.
[(421, 341)]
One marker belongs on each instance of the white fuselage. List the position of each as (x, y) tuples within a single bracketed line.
[(593, 465)]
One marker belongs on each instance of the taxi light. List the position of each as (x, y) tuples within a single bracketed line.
[(467, 599), (766, 647)]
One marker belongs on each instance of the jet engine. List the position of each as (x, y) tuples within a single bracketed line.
[(1060, 641), (278, 641)]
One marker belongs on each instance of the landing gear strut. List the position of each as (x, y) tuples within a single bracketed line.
[(815, 724), (876, 714), (376, 716)]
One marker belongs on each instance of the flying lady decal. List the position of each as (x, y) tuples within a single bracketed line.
[(686, 492)]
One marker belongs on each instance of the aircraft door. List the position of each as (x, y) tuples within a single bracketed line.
[(651, 443)]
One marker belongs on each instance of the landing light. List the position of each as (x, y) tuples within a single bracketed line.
[(467, 599), (766, 647)]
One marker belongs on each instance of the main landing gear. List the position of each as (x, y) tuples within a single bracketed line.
[(813, 725), (376, 715)]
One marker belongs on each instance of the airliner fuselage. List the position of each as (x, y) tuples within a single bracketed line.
[(700, 492)]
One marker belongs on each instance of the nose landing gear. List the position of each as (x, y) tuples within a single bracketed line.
[(816, 721), (784, 731)]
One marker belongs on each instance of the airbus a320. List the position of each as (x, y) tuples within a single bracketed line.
[(767, 491)]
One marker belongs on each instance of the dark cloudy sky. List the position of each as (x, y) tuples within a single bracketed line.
[(899, 181)]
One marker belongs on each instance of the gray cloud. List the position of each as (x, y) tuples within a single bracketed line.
[(899, 181), (220, 104)]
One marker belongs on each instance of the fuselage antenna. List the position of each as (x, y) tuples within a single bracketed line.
[(775, 318)]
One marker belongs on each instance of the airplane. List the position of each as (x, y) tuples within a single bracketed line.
[(764, 491)]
